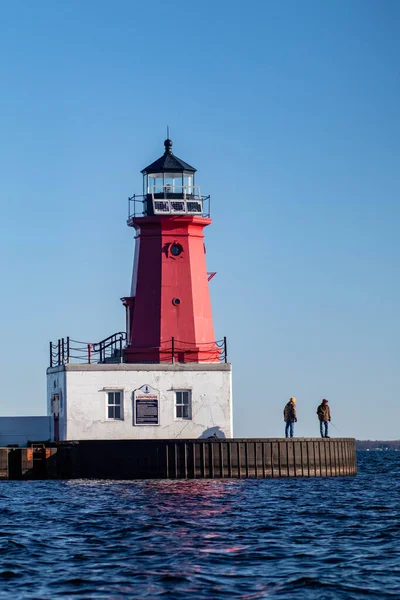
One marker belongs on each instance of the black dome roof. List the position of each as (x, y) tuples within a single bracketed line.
[(168, 163)]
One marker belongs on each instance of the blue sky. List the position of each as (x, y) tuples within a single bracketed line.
[(290, 112)]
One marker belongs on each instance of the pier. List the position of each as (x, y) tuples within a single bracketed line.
[(235, 458)]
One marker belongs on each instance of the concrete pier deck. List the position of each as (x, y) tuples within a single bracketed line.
[(234, 458)]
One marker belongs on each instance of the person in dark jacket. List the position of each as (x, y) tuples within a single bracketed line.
[(290, 417), (324, 416)]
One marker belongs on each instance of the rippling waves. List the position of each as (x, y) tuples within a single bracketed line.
[(250, 539)]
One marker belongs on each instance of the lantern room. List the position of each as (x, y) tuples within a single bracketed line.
[(169, 186)]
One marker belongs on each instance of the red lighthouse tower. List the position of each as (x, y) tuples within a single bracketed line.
[(169, 309)]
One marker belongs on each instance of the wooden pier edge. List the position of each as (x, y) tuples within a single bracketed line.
[(235, 458)]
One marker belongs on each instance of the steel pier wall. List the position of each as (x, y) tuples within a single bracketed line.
[(184, 459)]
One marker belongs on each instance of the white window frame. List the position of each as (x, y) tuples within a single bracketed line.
[(181, 404), (121, 404)]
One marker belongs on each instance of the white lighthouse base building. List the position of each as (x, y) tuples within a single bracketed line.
[(140, 401)]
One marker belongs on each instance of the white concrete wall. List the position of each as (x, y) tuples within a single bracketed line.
[(20, 430), (84, 400)]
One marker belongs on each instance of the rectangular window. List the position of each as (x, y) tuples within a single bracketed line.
[(114, 405), (183, 404)]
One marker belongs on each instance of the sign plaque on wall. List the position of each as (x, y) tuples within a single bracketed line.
[(146, 402)]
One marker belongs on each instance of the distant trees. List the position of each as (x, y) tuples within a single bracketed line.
[(378, 444)]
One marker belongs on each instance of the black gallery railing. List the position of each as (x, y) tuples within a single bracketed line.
[(168, 203), (67, 350), (112, 350)]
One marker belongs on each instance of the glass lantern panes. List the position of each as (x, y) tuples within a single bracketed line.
[(167, 183), (188, 184)]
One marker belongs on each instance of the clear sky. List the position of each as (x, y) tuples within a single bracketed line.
[(290, 112)]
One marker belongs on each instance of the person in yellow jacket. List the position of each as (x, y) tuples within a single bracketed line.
[(290, 417), (324, 416)]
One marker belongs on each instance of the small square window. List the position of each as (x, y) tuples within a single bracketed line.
[(114, 405), (183, 404)]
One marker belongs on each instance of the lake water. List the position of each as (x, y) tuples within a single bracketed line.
[(250, 539)]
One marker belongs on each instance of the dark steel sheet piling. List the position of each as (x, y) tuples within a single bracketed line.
[(182, 459)]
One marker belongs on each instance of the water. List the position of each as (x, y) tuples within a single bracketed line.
[(249, 539)]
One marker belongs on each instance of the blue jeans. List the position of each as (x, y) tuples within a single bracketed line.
[(289, 426), (322, 425)]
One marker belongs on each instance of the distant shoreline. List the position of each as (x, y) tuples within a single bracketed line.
[(378, 444)]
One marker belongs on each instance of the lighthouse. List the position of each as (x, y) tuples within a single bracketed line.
[(165, 376), (169, 309)]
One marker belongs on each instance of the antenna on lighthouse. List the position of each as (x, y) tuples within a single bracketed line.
[(167, 132)]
